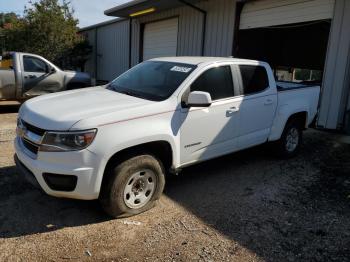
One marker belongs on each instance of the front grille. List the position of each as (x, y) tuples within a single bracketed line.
[(34, 129), (31, 147), (30, 136)]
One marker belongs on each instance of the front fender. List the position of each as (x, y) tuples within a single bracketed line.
[(113, 138)]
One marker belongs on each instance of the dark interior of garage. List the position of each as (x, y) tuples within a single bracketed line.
[(289, 48)]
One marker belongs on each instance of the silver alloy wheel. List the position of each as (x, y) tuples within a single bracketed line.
[(140, 188), (292, 139)]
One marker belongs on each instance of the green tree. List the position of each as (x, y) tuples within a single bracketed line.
[(77, 56), (47, 28), (7, 18), (12, 29)]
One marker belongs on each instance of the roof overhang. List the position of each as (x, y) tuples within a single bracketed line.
[(142, 7)]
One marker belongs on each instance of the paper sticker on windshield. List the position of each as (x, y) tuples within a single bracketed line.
[(181, 69)]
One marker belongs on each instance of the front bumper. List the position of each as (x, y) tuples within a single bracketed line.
[(85, 165)]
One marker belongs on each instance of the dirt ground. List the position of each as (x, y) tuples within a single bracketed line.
[(247, 206)]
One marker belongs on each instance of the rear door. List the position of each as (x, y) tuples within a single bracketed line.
[(258, 107), (207, 132), (38, 78)]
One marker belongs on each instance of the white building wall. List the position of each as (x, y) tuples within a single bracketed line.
[(336, 82)]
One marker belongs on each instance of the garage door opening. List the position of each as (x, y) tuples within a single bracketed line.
[(296, 52), (160, 39)]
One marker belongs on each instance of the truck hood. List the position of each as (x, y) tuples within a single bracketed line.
[(60, 111)]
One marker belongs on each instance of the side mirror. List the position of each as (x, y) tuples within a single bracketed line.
[(199, 99), (50, 69)]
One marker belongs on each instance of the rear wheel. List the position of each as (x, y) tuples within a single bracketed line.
[(133, 186), (291, 139)]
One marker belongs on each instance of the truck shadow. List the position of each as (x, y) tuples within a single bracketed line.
[(9, 108), (279, 209), (26, 210)]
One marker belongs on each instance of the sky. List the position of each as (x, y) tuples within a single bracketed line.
[(88, 12)]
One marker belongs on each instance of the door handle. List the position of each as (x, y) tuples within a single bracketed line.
[(30, 76), (234, 109), (231, 111), (268, 102)]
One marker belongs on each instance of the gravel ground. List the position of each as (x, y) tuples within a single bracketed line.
[(247, 206)]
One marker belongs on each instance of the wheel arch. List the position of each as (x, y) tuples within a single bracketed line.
[(301, 115), (161, 150)]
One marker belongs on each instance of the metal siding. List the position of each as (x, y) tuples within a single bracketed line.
[(335, 82), (276, 12), (160, 39), (135, 42), (112, 50), (219, 33), (220, 27), (90, 63)]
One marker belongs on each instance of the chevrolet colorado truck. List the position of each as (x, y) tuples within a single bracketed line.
[(23, 76), (116, 142)]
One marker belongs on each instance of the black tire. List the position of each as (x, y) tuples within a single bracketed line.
[(282, 147), (113, 197)]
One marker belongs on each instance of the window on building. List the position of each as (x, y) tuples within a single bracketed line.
[(216, 81), (254, 79)]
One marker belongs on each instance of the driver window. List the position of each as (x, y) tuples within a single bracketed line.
[(216, 81), (33, 64)]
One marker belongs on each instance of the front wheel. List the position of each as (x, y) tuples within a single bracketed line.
[(290, 141), (133, 186)]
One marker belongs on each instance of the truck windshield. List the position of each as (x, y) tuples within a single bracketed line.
[(152, 80)]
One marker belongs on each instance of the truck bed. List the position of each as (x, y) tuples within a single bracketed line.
[(285, 85), (298, 98)]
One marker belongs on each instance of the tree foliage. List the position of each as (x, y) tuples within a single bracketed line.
[(47, 28), (7, 18)]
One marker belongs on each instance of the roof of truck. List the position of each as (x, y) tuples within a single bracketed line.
[(196, 60)]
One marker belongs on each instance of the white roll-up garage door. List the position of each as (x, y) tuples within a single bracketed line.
[(264, 13), (160, 39)]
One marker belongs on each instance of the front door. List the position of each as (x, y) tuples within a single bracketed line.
[(207, 132), (38, 78)]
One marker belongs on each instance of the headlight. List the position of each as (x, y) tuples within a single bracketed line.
[(67, 141)]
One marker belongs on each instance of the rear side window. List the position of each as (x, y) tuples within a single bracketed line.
[(216, 81), (254, 79)]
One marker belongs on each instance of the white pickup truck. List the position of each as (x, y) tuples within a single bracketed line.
[(117, 142)]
